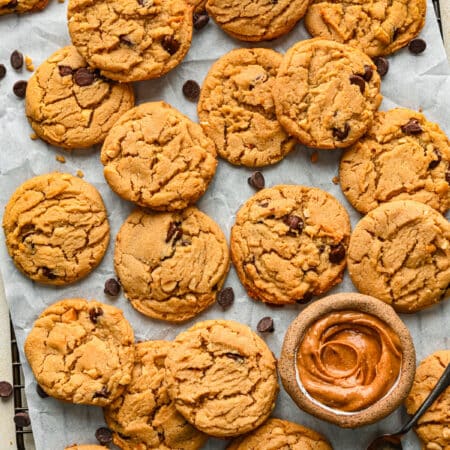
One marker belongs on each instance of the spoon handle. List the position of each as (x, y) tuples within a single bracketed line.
[(440, 386)]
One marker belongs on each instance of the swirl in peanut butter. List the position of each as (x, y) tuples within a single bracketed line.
[(348, 360)]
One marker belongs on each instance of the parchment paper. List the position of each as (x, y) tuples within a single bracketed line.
[(421, 81)]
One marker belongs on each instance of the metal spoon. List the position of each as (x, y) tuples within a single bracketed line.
[(393, 441)]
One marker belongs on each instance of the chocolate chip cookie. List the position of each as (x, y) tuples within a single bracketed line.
[(157, 157), (400, 254), (402, 156), (375, 28), (237, 111), (144, 417), (290, 243), (21, 6), (131, 40), (56, 228), (326, 93), (81, 352), (222, 377), (69, 105), (171, 265)]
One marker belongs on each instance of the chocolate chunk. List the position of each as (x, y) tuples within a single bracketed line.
[(368, 72), (65, 70), (170, 44), (307, 297), (41, 391), (417, 46), (94, 313), (22, 419), (274, 2), (84, 77), (337, 253), (126, 40), (341, 134), (412, 127), (20, 88), (104, 435), (382, 65), (294, 222), (200, 20), (433, 164), (16, 60), (265, 325), (12, 4), (447, 176), (6, 389), (191, 90), (226, 297), (48, 273), (359, 81), (174, 230), (112, 287), (103, 393), (2, 71), (235, 356), (256, 180)]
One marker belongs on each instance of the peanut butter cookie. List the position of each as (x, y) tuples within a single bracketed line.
[(258, 20), (281, 434), (81, 352), (222, 377), (144, 417), (434, 426), (402, 157), (56, 228), (289, 243), (157, 157), (326, 93), (237, 111), (21, 6), (69, 105), (131, 40), (376, 28), (400, 254), (171, 265)]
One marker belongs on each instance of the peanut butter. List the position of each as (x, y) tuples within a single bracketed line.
[(348, 360)]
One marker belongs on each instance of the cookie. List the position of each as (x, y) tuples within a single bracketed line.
[(222, 377), (131, 40), (21, 6), (237, 111), (402, 157), (144, 417), (326, 93), (281, 434), (171, 265), (373, 27), (289, 243), (157, 157), (56, 228), (69, 105), (400, 254), (81, 352), (433, 427), (257, 20)]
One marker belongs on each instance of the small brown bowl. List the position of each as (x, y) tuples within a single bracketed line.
[(297, 331)]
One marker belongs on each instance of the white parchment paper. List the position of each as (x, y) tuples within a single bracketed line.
[(421, 81)]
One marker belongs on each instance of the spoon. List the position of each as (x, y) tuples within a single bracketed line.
[(393, 441)]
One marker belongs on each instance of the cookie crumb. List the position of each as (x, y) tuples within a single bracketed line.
[(314, 156), (34, 136), (61, 159), (80, 174), (335, 180), (29, 64)]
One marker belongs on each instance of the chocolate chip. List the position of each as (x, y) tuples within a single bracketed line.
[(294, 222), (126, 40), (200, 20), (104, 435), (265, 325), (2, 71), (191, 90), (6, 389), (382, 65), (65, 70), (417, 46), (112, 287), (94, 313), (170, 44), (256, 180), (412, 127), (447, 175), (341, 134), (103, 393), (307, 297), (368, 72), (20, 88), (274, 2), (41, 391), (235, 356), (84, 77), (226, 297), (359, 81), (337, 253), (16, 60), (12, 4), (174, 230), (22, 419), (433, 164), (48, 273)]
